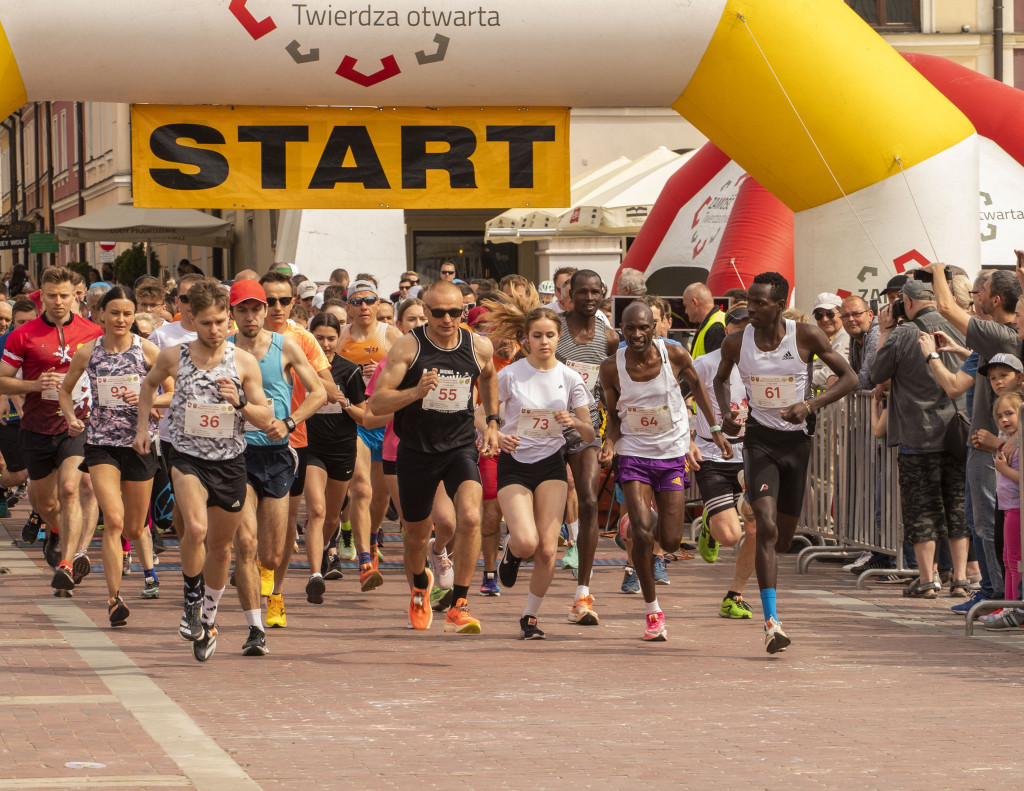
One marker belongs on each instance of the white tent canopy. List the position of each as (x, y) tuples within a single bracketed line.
[(611, 200), (125, 223)]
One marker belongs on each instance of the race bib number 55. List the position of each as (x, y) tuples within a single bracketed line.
[(450, 395)]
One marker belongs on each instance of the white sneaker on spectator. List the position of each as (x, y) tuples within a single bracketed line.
[(861, 561), (444, 571)]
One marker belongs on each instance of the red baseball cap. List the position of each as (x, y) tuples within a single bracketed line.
[(242, 290)]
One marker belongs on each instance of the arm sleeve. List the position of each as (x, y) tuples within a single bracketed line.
[(870, 350), (988, 338), (884, 364), (578, 393), (14, 350)]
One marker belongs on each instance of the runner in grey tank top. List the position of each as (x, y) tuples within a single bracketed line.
[(769, 354), (218, 387), (583, 345)]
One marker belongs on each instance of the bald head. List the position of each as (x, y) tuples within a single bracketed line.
[(698, 302), (443, 289), (637, 313), (247, 274)]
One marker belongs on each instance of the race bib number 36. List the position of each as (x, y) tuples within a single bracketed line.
[(112, 389), (538, 424), (648, 420), (450, 395), (773, 392), (588, 371), (209, 420)]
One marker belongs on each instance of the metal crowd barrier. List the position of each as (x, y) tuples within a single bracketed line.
[(982, 608), (847, 471)]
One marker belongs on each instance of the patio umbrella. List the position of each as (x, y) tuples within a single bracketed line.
[(126, 223)]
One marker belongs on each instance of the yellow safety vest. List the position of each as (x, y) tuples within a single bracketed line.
[(718, 317)]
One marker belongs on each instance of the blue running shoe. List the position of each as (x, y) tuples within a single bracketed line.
[(660, 575), (630, 583), (965, 607), (489, 587)]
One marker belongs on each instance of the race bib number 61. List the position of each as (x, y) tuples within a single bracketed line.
[(773, 392)]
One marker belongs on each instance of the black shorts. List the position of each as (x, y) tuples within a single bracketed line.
[(270, 470), (775, 465), (719, 484), (10, 446), (299, 485), (132, 466), (533, 474), (44, 453), (338, 465), (223, 479), (390, 467), (420, 473)]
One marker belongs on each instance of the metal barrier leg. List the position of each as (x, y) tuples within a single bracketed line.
[(807, 555), (985, 607), (862, 580)]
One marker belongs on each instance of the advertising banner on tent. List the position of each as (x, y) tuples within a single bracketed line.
[(341, 158)]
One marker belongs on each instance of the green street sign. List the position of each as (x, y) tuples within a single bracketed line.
[(43, 243)]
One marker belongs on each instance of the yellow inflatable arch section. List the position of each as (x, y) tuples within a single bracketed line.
[(878, 166)]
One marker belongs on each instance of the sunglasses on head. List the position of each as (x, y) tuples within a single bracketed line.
[(440, 313), (285, 301), (357, 301), (822, 314)]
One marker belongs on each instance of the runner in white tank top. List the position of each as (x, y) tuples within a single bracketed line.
[(773, 356), (648, 424)]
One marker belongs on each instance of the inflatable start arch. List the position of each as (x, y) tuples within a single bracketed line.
[(875, 163)]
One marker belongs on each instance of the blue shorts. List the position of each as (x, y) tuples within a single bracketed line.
[(373, 438), (270, 470)]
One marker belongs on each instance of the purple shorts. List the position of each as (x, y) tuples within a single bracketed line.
[(662, 475)]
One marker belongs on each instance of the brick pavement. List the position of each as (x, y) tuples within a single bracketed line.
[(876, 691)]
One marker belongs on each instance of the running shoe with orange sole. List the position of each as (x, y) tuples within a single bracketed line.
[(583, 613), (420, 613), (460, 621), (369, 578)]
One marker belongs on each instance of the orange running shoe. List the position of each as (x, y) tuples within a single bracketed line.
[(420, 613), (460, 621), (583, 613), (369, 578)]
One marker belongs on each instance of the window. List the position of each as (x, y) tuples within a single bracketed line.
[(471, 255), (889, 15)]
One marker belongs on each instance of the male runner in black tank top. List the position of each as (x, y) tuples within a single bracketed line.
[(427, 383), (776, 461)]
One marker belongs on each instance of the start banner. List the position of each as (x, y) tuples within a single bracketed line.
[(349, 158)]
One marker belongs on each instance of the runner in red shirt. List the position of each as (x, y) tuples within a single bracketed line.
[(42, 350)]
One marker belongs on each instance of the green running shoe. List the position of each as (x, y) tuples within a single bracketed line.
[(440, 599), (706, 545), (571, 558), (734, 608)]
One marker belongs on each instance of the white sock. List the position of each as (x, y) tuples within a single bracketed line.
[(210, 604), (255, 618), (574, 529), (315, 574), (582, 591), (533, 604), (652, 606)]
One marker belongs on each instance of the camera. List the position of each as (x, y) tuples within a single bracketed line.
[(899, 311), (926, 277)]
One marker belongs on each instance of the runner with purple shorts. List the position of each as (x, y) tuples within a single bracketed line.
[(647, 421)]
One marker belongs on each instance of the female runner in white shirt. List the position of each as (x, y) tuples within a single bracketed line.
[(540, 397)]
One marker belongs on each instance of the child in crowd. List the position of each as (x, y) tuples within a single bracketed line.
[(1007, 492)]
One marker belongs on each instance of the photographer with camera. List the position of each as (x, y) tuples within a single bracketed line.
[(931, 480), (998, 299)]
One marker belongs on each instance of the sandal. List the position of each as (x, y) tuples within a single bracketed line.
[(919, 590), (958, 589)]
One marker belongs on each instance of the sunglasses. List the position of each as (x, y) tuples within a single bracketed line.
[(822, 314), (852, 314), (440, 313), (447, 271), (414, 282), (357, 301), (284, 301), (183, 299)]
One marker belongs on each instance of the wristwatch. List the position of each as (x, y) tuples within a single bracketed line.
[(933, 356), (289, 424), (495, 418), (242, 400)]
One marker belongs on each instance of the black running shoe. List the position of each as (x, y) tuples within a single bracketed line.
[(30, 532), (508, 568), (256, 645), (203, 648), (62, 579), (315, 589), (333, 568), (80, 568), (528, 628), (117, 611), (191, 625), (51, 549)]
